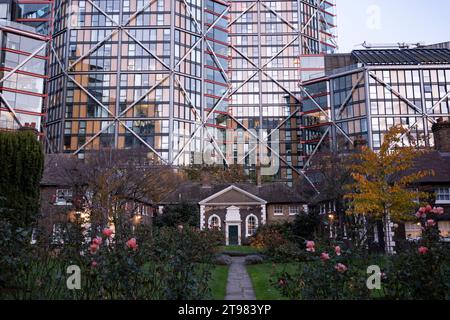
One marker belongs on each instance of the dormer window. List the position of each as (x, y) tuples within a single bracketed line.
[(63, 197)]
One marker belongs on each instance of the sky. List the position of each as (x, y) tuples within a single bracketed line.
[(391, 21)]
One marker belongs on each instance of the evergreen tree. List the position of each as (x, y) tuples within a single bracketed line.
[(21, 169)]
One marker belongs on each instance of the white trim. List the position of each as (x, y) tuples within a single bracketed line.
[(232, 187), (202, 217), (263, 214), (210, 219), (227, 237), (246, 224), (233, 218)]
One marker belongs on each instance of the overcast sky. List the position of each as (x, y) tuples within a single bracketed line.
[(392, 21)]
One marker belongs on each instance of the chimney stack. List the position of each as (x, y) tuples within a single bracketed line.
[(206, 180), (441, 131), (258, 176)]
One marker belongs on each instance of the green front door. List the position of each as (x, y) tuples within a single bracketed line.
[(233, 235)]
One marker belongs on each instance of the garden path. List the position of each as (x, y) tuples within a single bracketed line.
[(239, 285)]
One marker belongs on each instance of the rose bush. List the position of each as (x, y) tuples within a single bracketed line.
[(419, 272), (422, 271), (145, 263), (329, 275)]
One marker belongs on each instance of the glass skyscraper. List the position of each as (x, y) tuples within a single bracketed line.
[(25, 28), (270, 41)]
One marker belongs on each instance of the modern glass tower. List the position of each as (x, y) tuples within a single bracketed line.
[(175, 76), (270, 42), (361, 95), (136, 73), (25, 28)]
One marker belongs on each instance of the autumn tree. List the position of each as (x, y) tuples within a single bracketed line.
[(381, 189)]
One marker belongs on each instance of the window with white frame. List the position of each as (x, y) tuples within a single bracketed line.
[(252, 225), (214, 222), (278, 210), (443, 195), (63, 197), (293, 211)]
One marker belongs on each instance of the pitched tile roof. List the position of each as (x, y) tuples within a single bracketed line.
[(437, 161), (195, 192)]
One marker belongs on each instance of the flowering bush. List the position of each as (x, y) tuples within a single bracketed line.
[(421, 272), (330, 275), (166, 263)]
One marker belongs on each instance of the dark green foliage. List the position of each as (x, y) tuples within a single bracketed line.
[(21, 168), (181, 214), (305, 226), (168, 263)]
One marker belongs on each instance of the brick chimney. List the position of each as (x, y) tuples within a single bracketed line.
[(206, 180), (441, 131)]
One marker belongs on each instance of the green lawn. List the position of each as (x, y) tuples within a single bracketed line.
[(239, 249), (218, 282), (262, 275)]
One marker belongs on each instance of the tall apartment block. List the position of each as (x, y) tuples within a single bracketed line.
[(271, 44), (360, 95), (25, 29), (173, 76), (136, 73)]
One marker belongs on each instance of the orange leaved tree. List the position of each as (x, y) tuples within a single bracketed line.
[(381, 189)]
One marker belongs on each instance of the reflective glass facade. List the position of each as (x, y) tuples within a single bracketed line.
[(24, 33), (175, 76), (267, 39), (361, 103), (149, 74)]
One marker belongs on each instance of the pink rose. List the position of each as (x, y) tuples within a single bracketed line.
[(93, 248), (423, 250), (418, 214), (337, 250), (94, 264), (310, 246), (324, 256), (341, 268), (428, 208), (422, 210), (439, 211), (132, 244), (97, 241), (107, 232), (431, 223)]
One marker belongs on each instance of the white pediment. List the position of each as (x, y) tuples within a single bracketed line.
[(223, 197)]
